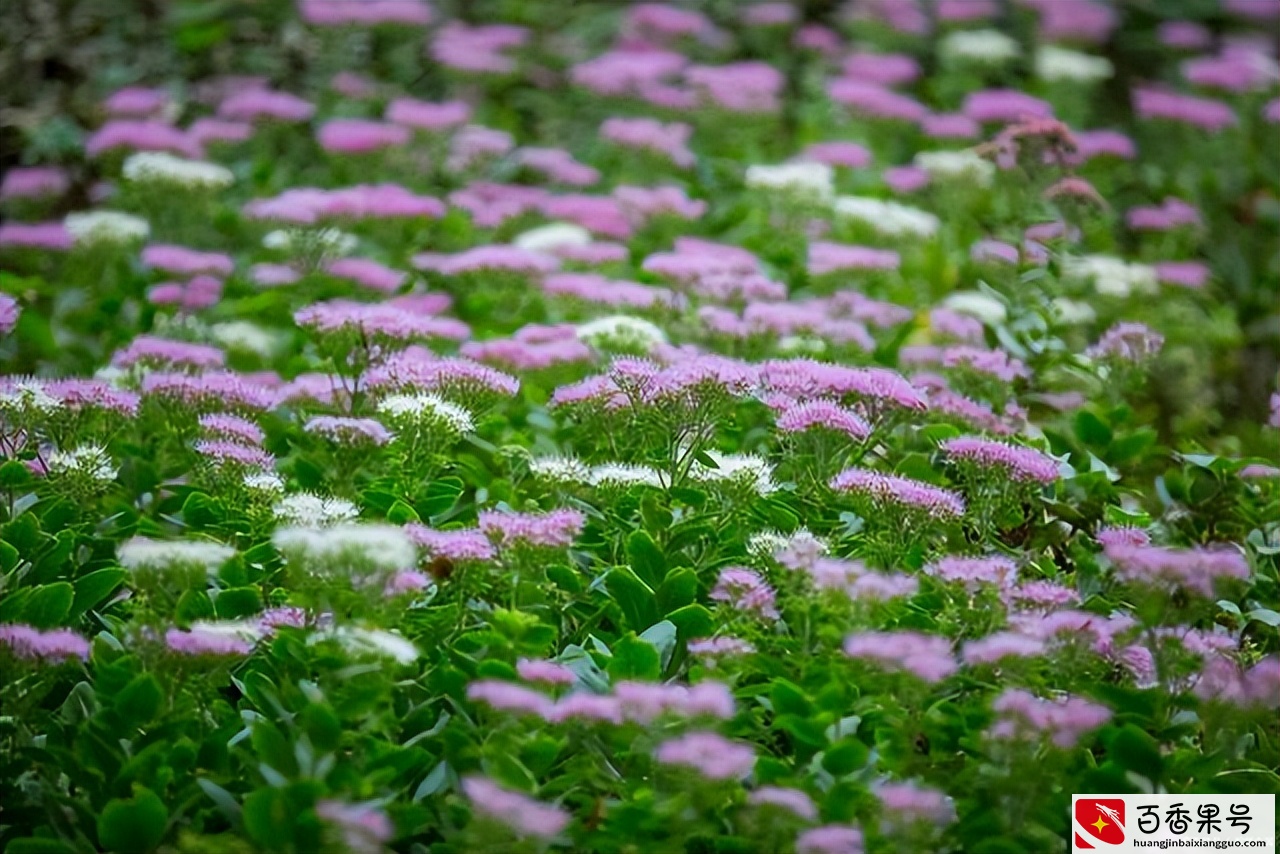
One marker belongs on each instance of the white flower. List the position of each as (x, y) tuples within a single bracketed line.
[(804, 344), (264, 481), (889, 218), (809, 180), (428, 408), (162, 168), (624, 475), (143, 553), (1112, 276), (769, 543), (986, 308), (1055, 63), (311, 241), (245, 630), (750, 470), (621, 333), (966, 163), (29, 396), (348, 546), (308, 510), (1072, 312), (560, 469), (358, 641), (986, 46), (243, 335), (89, 460), (552, 236), (93, 228)]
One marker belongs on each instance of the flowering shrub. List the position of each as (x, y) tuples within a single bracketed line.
[(776, 427)]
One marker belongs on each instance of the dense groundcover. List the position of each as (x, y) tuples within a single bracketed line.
[(522, 426)]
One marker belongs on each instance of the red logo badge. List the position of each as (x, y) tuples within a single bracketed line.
[(1102, 819)]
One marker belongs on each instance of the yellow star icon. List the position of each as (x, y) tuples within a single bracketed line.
[(1099, 823)]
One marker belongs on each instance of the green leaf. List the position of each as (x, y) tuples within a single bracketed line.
[(656, 516), (441, 495), (14, 474), (1092, 430), (647, 560), (268, 819), (1131, 446), (194, 605), (692, 621), (9, 556), (636, 599), (634, 658), (1265, 615), (789, 699), (1135, 750), (49, 605), (400, 513), (273, 748), (846, 757), (23, 534), (37, 845), (139, 701), (237, 602), (678, 589), (663, 637), (200, 511), (94, 588), (135, 826), (322, 726)]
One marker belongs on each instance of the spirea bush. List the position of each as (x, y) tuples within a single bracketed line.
[(709, 427)]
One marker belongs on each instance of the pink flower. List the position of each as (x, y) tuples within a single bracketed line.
[(203, 642), (1001, 645), (927, 657), (1043, 594), (1064, 720), (367, 273), (883, 69), (581, 706), (162, 352), (718, 646), (509, 697), (332, 13), (709, 754), (136, 101), (1184, 34), (825, 415), (827, 258), (875, 101), (740, 87), (460, 544), (9, 313), (1187, 109), (179, 260), (420, 369), (359, 136), (949, 126), (232, 427), (534, 670), (223, 389), (349, 431), (669, 140), (222, 453), (1004, 105), (793, 801), (364, 828), (847, 154), (594, 288), (40, 235), (1128, 342), (908, 803), (379, 320), (521, 814), (423, 115), (204, 131), (477, 50), (903, 492), (554, 529), (745, 590), (53, 645), (1223, 681), (255, 104), (1185, 274), (1198, 569), (34, 182), (974, 572), (146, 135), (1020, 463), (474, 143), (830, 839)]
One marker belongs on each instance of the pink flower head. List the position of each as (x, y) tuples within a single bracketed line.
[(593, 288), (745, 590), (333, 13), (255, 104), (1199, 569), (1128, 342), (379, 320), (996, 647), (40, 235), (793, 801), (478, 49), (79, 394), (222, 425), (162, 352), (489, 258), (740, 87), (847, 154), (48, 646), (354, 86), (1168, 215), (548, 672), (145, 135), (875, 101), (1043, 594), (949, 126), (474, 143), (204, 131), (927, 657), (460, 544), (709, 754), (222, 453), (554, 529), (204, 642), (1020, 463), (9, 313), (136, 102), (640, 204), (423, 115), (900, 491), (1184, 274), (827, 258), (882, 69), (1004, 105), (1064, 720), (367, 273), (364, 828), (907, 803), (221, 389), (973, 572), (419, 369), (521, 814), (34, 182), (509, 697), (349, 431), (668, 140), (1204, 113), (581, 706), (906, 179), (826, 415), (1103, 143), (994, 363), (359, 136), (719, 646), (878, 389), (1223, 681), (179, 260), (1186, 35), (830, 839), (273, 275)]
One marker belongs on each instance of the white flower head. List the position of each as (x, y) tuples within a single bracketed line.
[(623, 475), (158, 167), (749, 470), (143, 553), (1055, 63), (372, 642), (980, 46), (347, 547), (986, 308), (89, 461), (769, 543), (807, 345), (553, 236), (1111, 276), (308, 510), (245, 336), (815, 181), (560, 469), (622, 333), (319, 242), (265, 482), (891, 219), (1072, 312), (29, 396), (964, 164), (106, 228), (429, 409), (245, 630)]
